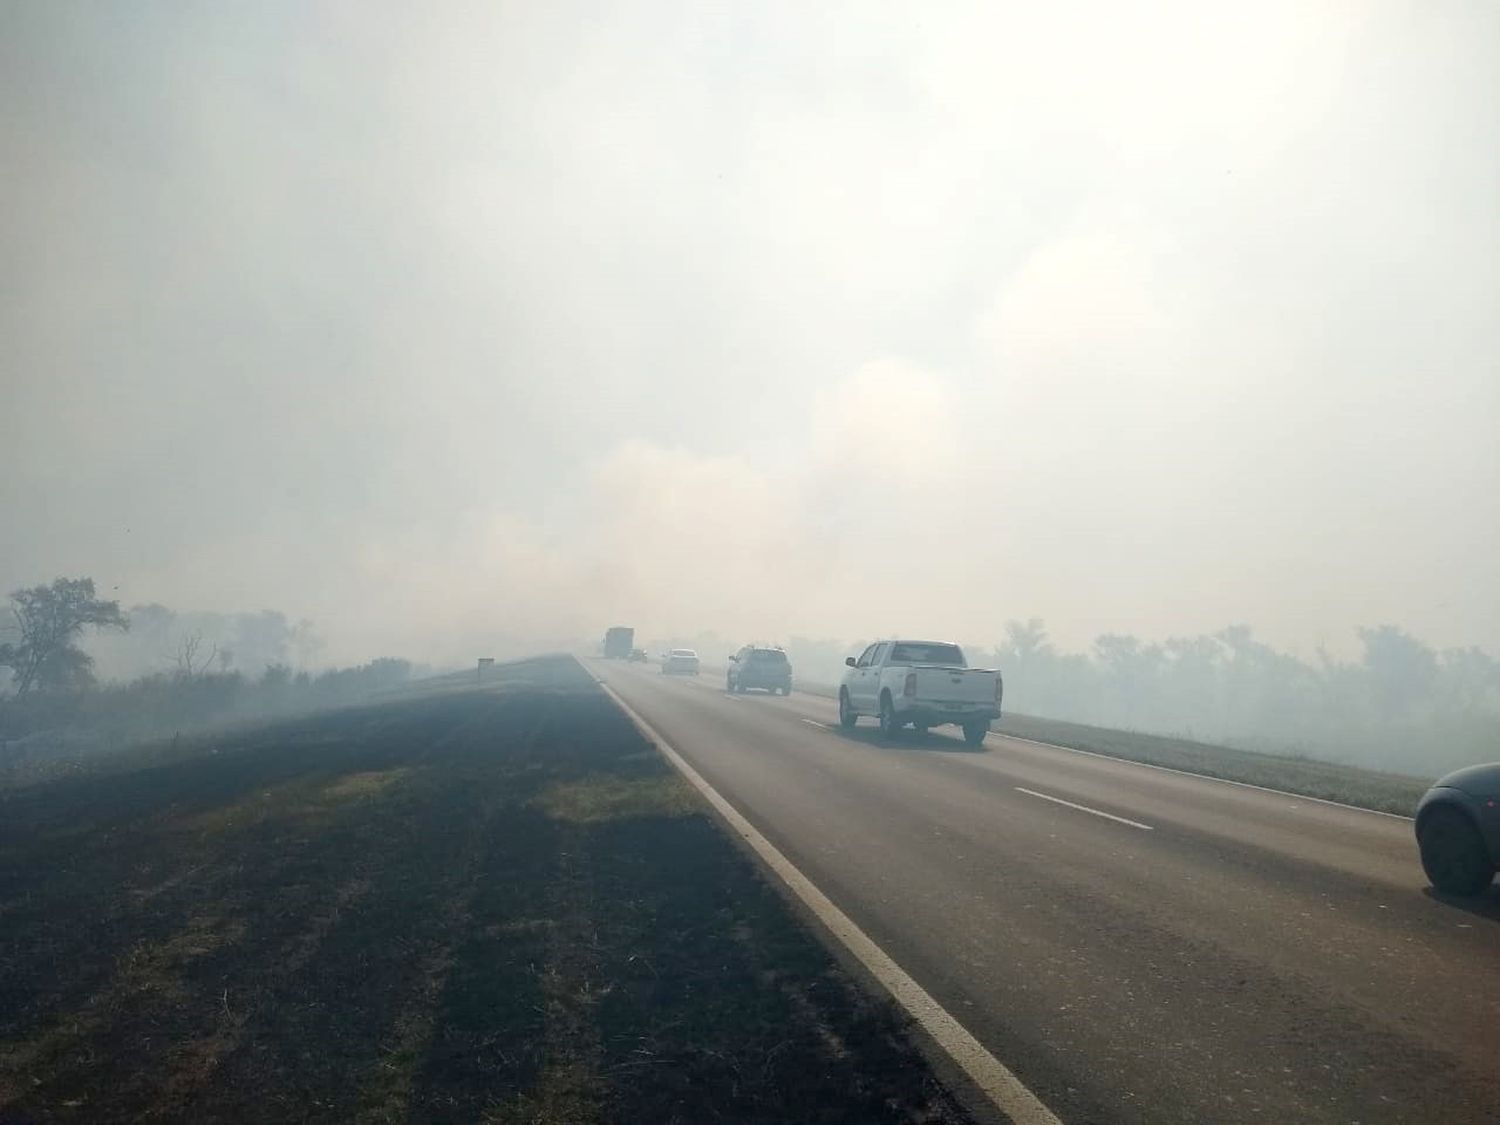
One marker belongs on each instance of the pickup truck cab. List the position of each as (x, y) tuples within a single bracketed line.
[(919, 683)]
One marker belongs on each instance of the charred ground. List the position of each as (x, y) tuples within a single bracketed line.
[(495, 905)]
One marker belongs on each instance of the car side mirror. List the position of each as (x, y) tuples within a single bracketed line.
[(849, 660), (735, 659)]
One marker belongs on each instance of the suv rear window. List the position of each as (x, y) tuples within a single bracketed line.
[(767, 656), (951, 655)]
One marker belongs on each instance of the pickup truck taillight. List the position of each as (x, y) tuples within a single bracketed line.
[(910, 690), (999, 687)]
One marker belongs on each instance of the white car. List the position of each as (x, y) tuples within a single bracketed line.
[(679, 662), (921, 683)]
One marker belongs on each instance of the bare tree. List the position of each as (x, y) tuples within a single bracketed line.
[(193, 659)]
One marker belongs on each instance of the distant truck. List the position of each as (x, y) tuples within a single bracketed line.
[(618, 641), (920, 683)]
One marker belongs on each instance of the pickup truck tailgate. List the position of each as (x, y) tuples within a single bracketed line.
[(939, 685)]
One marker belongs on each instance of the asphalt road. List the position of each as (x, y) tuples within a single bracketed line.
[(1213, 954)]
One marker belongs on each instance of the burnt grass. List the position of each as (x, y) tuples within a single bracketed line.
[(493, 905)]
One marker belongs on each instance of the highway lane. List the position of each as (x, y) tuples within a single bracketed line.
[(1216, 953)]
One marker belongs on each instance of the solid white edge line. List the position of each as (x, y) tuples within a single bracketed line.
[(1085, 808), (814, 723), (1200, 776), (993, 1078)]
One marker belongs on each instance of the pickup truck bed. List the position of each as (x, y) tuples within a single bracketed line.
[(921, 684)]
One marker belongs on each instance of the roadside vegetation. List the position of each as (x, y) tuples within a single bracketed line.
[(49, 733), (493, 905), (1330, 781), (57, 715), (1400, 707)]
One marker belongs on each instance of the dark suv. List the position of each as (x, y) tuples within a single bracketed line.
[(755, 666)]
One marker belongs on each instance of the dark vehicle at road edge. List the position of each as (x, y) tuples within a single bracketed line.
[(759, 666), (1458, 829)]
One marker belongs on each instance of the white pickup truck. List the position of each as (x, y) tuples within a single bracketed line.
[(923, 683)]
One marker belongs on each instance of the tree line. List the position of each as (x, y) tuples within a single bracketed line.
[(191, 670)]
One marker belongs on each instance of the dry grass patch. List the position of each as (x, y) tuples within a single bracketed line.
[(566, 1093), (601, 797), (363, 786), (155, 966), (569, 1090), (150, 973), (386, 1097), (289, 799), (307, 798)]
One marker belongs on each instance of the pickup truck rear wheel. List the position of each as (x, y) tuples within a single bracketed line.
[(974, 733), (847, 715), (890, 725)]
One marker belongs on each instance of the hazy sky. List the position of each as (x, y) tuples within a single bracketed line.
[(461, 327)]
